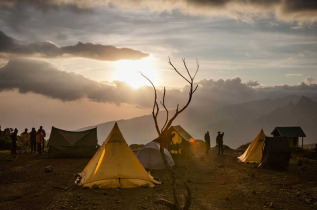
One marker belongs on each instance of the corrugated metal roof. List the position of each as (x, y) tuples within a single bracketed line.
[(288, 132)]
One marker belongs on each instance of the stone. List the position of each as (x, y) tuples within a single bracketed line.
[(307, 201), (48, 169), (272, 205), (299, 163)]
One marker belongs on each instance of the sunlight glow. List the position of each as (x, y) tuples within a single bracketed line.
[(129, 71)]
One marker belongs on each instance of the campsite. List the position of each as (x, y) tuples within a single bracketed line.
[(216, 182), (165, 104)]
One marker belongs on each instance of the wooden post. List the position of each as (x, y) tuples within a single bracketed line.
[(302, 142)]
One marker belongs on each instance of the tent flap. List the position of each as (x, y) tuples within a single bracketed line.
[(253, 153)]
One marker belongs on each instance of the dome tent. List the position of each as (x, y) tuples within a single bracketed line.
[(150, 156)]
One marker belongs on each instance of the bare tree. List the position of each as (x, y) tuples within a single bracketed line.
[(162, 133)]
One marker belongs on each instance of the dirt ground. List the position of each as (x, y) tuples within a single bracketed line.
[(216, 182)]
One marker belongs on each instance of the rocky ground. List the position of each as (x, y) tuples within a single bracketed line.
[(216, 182)]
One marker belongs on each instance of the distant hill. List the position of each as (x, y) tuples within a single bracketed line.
[(240, 122)]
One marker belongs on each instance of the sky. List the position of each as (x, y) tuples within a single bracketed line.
[(73, 64)]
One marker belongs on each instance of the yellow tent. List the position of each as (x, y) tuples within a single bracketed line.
[(254, 152), (115, 166)]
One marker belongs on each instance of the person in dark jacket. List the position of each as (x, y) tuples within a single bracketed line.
[(33, 140), (40, 140), (219, 141), (207, 142), (14, 139)]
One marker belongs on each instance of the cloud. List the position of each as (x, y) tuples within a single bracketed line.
[(294, 75), (43, 78), (251, 83), (284, 10), (49, 49), (27, 75), (309, 81)]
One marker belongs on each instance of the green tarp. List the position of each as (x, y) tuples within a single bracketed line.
[(72, 144)]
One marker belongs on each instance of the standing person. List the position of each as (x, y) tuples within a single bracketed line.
[(219, 141), (207, 142), (14, 139), (25, 140), (40, 139), (33, 140)]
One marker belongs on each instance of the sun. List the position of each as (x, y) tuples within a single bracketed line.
[(129, 71)]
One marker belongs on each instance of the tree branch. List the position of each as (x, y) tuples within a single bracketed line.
[(164, 105), (164, 132), (187, 69), (155, 105), (177, 70)]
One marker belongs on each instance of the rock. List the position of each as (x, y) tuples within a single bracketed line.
[(307, 201), (299, 163), (220, 166), (253, 192), (298, 193), (227, 199), (48, 169), (272, 205)]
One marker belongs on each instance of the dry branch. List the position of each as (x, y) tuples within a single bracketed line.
[(164, 131)]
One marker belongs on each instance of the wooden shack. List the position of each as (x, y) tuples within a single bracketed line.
[(291, 133)]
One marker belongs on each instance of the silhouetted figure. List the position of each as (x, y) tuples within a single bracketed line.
[(33, 140), (40, 140), (207, 142), (25, 140), (14, 139), (219, 141)]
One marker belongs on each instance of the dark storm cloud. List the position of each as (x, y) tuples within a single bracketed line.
[(39, 77), (285, 10), (86, 50), (43, 78)]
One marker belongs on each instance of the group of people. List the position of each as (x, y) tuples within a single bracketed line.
[(219, 142), (33, 141)]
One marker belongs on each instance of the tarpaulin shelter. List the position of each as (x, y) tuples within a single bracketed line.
[(253, 153), (115, 166), (72, 144), (180, 140), (150, 156)]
